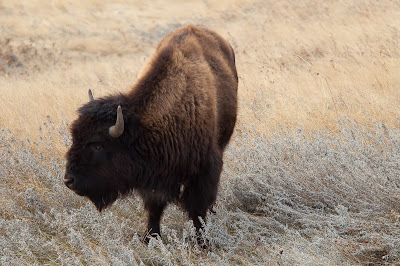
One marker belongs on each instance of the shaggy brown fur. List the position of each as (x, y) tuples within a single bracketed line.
[(178, 119)]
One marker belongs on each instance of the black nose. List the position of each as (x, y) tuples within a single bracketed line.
[(69, 181)]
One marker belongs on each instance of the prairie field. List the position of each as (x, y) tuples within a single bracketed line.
[(312, 173)]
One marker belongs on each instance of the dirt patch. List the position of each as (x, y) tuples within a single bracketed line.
[(23, 58)]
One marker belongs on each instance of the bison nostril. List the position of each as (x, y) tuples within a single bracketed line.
[(68, 181)]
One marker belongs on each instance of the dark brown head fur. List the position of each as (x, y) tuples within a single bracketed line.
[(178, 119)]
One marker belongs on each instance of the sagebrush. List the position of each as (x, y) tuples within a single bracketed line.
[(324, 198)]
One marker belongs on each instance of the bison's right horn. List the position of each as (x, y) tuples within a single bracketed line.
[(91, 95), (117, 129)]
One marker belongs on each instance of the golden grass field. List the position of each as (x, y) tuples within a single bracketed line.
[(304, 67), (301, 64)]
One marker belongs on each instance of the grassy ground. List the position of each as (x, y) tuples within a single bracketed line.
[(312, 173)]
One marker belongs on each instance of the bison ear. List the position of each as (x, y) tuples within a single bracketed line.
[(90, 95), (116, 130)]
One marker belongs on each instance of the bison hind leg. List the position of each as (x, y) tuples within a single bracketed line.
[(200, 195), (196, 201)]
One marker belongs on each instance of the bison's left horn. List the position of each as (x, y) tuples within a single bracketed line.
[(90, 95), (117, 129)]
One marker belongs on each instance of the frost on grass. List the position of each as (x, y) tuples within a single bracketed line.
[(292, 199)]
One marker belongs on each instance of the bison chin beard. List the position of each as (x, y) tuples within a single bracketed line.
[(103, 201)]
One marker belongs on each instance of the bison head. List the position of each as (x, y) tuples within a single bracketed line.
[(98, 162)]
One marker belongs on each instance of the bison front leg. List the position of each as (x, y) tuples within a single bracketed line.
[(155, 210)]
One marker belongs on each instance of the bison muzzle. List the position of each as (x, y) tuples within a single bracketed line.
[(164, 138)]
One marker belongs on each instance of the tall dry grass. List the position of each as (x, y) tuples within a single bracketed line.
[(312, 173), (314, 62)]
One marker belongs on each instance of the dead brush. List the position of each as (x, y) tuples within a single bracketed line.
[(295, 198)]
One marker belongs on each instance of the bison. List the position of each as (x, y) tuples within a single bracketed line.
[(164, 138)]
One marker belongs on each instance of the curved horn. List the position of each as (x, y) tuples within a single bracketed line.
[(117, 129), (90, 95)]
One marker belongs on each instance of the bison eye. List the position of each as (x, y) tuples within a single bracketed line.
[(99, 147)]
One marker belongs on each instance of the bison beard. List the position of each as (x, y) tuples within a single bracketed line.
[(165, 138)]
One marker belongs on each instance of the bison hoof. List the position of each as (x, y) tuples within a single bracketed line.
[(203, 243), (147, 237)]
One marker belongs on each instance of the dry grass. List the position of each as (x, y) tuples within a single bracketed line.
[(314, 62), (301, 183)]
